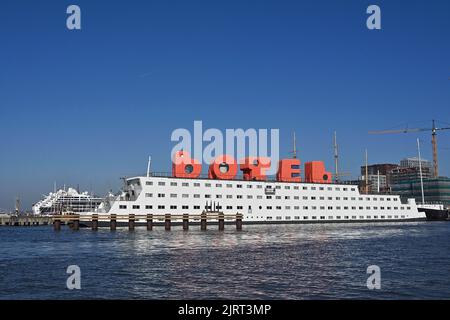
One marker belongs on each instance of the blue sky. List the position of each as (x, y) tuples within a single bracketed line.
[(86, 107)]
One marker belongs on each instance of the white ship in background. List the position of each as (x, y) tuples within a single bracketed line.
[(69, 200)]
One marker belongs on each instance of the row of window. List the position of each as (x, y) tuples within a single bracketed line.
[(218, 207), (331, 217), (249, 186), (229, 196), (289, 217)]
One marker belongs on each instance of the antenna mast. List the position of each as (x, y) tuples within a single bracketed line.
[(148, 166), (367, 175), (378, 181), (336, 159), (294, 152), (17, 205)]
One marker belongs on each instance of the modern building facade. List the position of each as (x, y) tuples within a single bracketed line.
[(436, 190), (414, 163), (382, 168), (378, 176), (408, 174)]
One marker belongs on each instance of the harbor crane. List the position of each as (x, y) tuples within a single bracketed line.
[(433, 130)]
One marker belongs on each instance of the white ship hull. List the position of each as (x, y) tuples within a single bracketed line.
[(258, 201)]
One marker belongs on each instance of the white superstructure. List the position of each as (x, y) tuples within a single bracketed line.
[(258, 201), (66, 200)]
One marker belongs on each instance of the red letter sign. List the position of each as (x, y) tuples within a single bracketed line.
[(289, 170), (223, 167), (315, 172), (185, 167), (254, 168)]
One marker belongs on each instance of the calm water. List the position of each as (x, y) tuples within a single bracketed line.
[(261, 262)]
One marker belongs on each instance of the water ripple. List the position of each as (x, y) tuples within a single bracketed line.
[(262, 262)]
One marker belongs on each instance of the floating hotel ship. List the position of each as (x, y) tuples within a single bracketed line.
[(69, 200), (290, 198)]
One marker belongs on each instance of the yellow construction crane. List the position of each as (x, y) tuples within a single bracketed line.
[(433, 130)]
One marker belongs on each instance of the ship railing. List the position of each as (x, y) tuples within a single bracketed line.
[(132, 198), (204, 176), (432, 202)]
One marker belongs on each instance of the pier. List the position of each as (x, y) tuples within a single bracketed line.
[(94, 221), (24, 220)]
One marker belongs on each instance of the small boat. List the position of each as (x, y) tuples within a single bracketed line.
[(434, 212)]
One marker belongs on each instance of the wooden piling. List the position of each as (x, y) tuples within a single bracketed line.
[(94, 222), (238, 221), (131, 222), (76, 223), (185, 221), (167, 222), (149, 222), (221, 222), (113, 222), (57, 225), (203, 221)]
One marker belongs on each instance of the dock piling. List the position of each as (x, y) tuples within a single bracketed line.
[(221, 222), (131, 222), (76, 223), (167, 222), (185, 221), (149, 222), (94, 222), (113, 222), (57, 225), (203, 221), (238, 221)]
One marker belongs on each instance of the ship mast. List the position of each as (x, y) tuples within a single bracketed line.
[(148, 165), (378, 181), (367, 175), (420, 171), (17, 205), (435, 155), (294, 151), (336, 159)]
